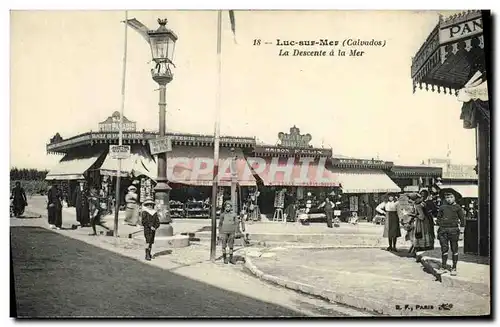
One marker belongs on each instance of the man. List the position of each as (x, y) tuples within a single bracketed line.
[(97, 209), (328, 206), (19, 200), (368, 211), (228, 224), (54, 206), (449, 218)]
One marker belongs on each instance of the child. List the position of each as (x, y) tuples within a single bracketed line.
[(228, 225), (354, 218), (449, 218), (151, 223)]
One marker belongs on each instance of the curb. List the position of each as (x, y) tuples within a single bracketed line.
[(451, 281), (331, 296)]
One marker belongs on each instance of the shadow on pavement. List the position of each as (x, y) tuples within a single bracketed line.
[(463, 257), (56, 276)]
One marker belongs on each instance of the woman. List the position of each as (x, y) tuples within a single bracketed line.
[(19, 200), (392, 229), (54, 207), (422, 234), (150, 222), (131, 199)]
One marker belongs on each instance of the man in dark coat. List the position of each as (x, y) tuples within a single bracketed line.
[(328, 207), (80, 200), (19, 200), (54, 206)]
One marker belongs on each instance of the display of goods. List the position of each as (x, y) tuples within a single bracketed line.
[(279, 199)]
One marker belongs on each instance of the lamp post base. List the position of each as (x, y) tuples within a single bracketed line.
[(162, 196)]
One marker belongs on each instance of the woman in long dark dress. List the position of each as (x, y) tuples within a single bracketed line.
[(54, 207), (19, 200), (150, 222)]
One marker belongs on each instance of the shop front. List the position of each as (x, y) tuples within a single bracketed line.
[(452, 59), (414, 178), (364, 182), (291, 176)]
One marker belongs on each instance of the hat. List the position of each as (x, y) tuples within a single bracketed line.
[(148, 201), (132, 187), (414, 196), (228, 202), (447, 191)]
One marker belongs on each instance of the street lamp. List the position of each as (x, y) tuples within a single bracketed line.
[(162, 42)]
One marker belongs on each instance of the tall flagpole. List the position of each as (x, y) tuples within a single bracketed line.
[(120, 133), (216, 140)]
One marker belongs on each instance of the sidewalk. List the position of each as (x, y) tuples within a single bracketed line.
[(373, 279), (194, 262), (473, 271)]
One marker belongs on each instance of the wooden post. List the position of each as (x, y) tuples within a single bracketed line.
[(484, 216)]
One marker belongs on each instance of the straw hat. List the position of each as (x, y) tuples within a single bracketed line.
[(132, 188), (148, 201)]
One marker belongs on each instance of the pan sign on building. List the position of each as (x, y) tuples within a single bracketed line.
[(461, 30), (160, 145), (119, 151)]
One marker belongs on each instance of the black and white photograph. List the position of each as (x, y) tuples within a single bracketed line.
[(244, 163)]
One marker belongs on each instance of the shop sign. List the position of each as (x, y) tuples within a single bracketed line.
[(115, 127), (294, 139), (461, 31), (460, 172), (112, 124), (292, 151), (75, 140), (208, 139), (119, 151), (359, 161), (160, 145), (113, 136)]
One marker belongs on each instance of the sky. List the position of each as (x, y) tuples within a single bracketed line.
[(66, 70)]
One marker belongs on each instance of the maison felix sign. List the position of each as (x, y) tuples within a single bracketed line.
[(293, 151)]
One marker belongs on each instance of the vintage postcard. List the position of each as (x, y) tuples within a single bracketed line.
[(250, 163)]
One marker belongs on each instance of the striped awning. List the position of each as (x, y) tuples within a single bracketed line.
[(72, 168), (366, 181), (465, 190), (139, 163), (194, 166)]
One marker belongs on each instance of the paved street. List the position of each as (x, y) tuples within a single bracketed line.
[(371, 274), (59, 276)]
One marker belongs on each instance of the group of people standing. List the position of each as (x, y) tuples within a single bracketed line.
[(420, 227), (91, 207), (424, 214)]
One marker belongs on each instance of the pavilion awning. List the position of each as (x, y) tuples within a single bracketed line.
[(139, 163), (72, 168), (195, 165), (443, 61), (293, 171), (366, 181), (465, 190)]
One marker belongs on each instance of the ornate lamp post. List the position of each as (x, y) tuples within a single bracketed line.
[(162, 42)]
